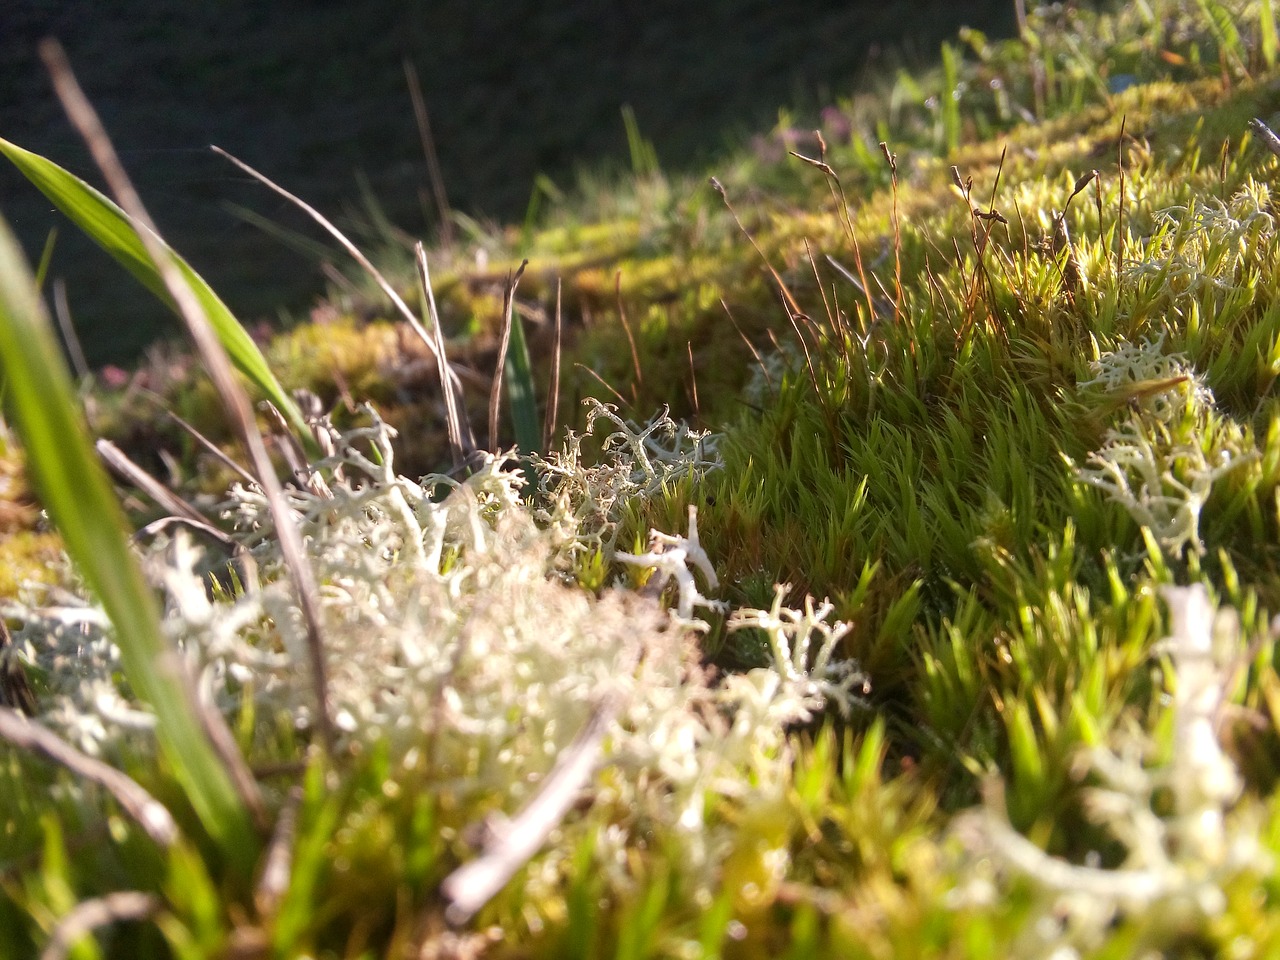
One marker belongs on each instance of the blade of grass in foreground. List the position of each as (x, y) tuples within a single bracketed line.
[(109, 227), (75, 491)]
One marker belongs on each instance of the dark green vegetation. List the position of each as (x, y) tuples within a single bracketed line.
[(994, 434)]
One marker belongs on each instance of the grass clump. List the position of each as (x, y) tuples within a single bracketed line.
[(1015, 423)]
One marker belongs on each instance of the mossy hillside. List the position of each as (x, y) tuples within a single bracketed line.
[(927, 463), (667, 252)]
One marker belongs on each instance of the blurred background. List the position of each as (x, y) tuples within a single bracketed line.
[(315, 95)]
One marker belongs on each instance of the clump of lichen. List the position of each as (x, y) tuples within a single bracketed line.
[(457, 649), (1162, 460)]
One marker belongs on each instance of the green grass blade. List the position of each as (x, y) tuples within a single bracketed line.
[(1267, 33), (76, 492), (109, 227), (644, 158), (46, 258), (520, 391), (947, 102)]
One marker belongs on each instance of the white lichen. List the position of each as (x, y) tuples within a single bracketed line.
[(583, 500), (1206, 246), (1162, 460), (454, 642), (669, 558), (805, 649), (1184, 839)]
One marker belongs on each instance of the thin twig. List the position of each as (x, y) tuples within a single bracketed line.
[(833, 316), (750, 346), (150, 814), (838, 197), (844, 271), (693, 378), (804, 346), (295, 457), (429, 151), (495, 390), (248, 571), (892, 159), (130, 472), (832, 319), (1120, 201), (1266, 135), (1020, 14), (88, 915), (277, 865), (789, 303), (234, 399), (793, 306), (210, 447), (513, 843), (553, 398)]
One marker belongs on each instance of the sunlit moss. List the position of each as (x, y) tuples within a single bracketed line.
[(992, 460), (29, 557)]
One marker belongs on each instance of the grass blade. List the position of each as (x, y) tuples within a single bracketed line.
[(520, 391), (1267, 33), (383, 284), (235, 402), (109, 227), (947, 102), (76, 492)]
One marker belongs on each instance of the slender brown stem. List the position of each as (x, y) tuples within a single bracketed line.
[(62, 310), (209, 446), (631, 340), (495, 389), (118, 461), (792, 305), (693, 379), (750, 346), (429, 151), (892, 159), (277, 865), (841, 201), (553, 395), (604, 383), (383, 284), (1120, 201)]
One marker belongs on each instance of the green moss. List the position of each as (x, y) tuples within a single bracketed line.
[(992, 461), (29, 557)]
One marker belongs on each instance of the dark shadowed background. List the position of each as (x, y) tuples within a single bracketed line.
[(314, 95)]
